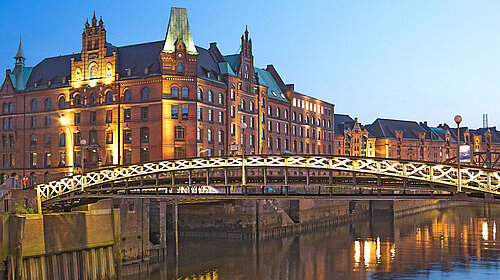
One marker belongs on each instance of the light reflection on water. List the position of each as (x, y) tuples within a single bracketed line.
[(455, 243)]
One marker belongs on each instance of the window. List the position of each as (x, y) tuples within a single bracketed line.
[(93, 136), (5, 124), (33, 105), (33, 122), (93, 117), (144, 134), (47, 139), (269, 111), (198, 135), (251, 140), (329, 124), (262, 102), (210, 97), (109, 116), (175, 111), (286, 129), (179, 152), (270, 126), (232, 111), (62, 158), (145, 94), (219, 137), (278, 127), (77, 137), (11, 123), (285, 114), (233, 129), (48, 104), (174, 92), (210, 115), (11, 107), (11, 141), (270, 143), (47, 160), (109, 97), (300, 117), (185, 93), (77, 101), (144, 154), (242, 104), (76, 118), (232, 93), (221, 100), (47, 121), (93, 98), (221, 117), (209, 135), (144, 113), (33, 160), (62, 140), (251, 106), (200, 114), (127, 156), (127, 135), (179, 132), (179, 67), (252, 122), (278, 112), (294, 116), (185, 111), (200, 94), (109, 136), (127, 95), (127, 115)]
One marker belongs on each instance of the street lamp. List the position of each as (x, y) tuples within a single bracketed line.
[(243, 175), (83, 142), (458, 120)]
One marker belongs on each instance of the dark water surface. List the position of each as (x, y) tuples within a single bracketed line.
[(454, 243)]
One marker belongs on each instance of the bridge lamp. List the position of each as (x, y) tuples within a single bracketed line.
[(83, 142), (458, 120)]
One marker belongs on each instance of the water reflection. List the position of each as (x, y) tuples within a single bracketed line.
[(458, 243)]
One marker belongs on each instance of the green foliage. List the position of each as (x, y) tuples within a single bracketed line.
[(22, 208)]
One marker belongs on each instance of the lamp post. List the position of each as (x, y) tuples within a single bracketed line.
[(458, 120), (243, 173), (83, 142)]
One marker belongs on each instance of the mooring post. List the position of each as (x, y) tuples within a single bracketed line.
[(175, 218)]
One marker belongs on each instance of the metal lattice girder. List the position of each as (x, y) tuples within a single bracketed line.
[(472, 178)]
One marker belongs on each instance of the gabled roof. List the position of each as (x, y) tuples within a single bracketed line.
[(207, 62), (138, 57), (341, 123), (178, 27), (234, 61), (54, 68), (386, 128), (274, 91)]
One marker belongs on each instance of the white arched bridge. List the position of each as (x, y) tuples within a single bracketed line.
[(276, 177)]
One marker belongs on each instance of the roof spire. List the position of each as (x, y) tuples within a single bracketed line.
[(20, 54), (94, 21), (246, 32), (178, 26)]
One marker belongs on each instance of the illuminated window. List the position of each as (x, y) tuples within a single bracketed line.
[(144, 154), (33, 160), (127, 156), (144, 134), (62, 158), (127, 136), (232, 93)]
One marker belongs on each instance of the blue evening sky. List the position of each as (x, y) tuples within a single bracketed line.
[(416, 60)]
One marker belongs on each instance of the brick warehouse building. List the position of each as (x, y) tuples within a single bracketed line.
[(152, 101)]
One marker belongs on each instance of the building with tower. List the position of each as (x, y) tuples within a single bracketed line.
[(109, 105)]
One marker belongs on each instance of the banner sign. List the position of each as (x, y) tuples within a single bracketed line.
[(464, 153)]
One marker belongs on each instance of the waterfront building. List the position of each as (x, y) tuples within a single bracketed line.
[(158, 100), (351, 138)]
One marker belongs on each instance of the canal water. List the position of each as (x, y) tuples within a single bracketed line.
[(453, 243)]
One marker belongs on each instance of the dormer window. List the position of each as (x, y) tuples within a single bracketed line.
[(64, 80), (49, 83), (35, 84), (208, 74), (129, 72), (146, 70)]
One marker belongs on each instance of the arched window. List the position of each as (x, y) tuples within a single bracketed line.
[(62, 102), (11, 107), (318, 123), (127, 95), (93, 98), (179, 132), (221, 99), (48, 139), (269, 110), (220, 137), (307, 118), (145, 94), (33, 105), (294, 116), (174, 92), (200, 94), (77, 100), (34, 140), (242, 104), (324, 123), (329, 124), (251, 106), (278, 112), (210, 97), (209, 135), (109, 97), (179, 67), (300, 117), (62, 140), (185, 93), (48, 104), (286, 114)]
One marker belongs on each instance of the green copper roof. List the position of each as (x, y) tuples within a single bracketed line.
[(234, 61), (19, 77), (178, 27), (19, 53), (225, 69), (274, 91)]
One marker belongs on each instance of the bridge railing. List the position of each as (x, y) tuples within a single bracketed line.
[(474, 178)]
